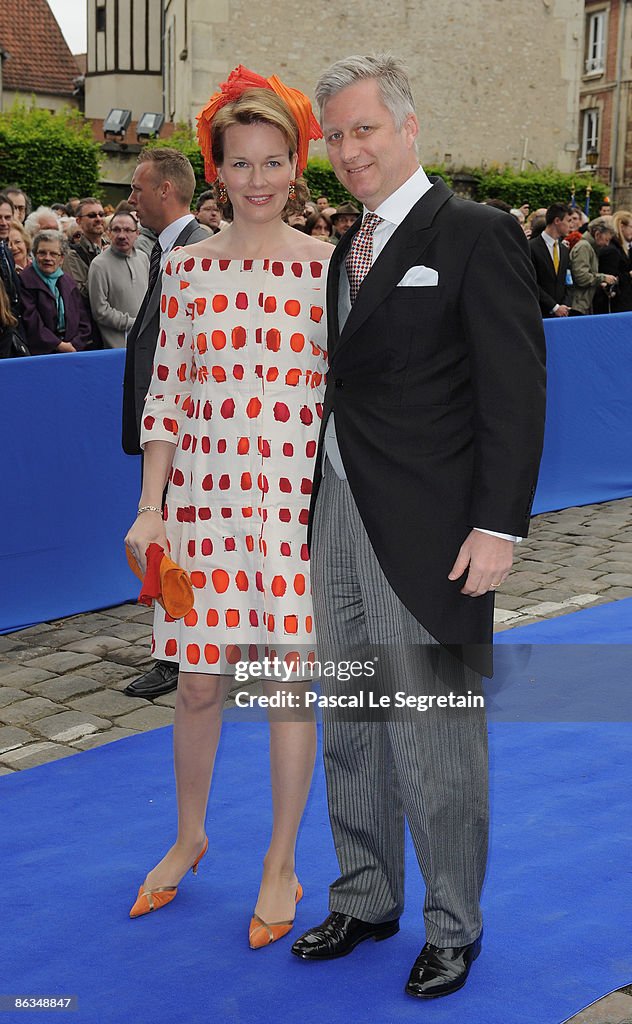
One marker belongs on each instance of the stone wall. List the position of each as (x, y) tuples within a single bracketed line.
[(495, 81)]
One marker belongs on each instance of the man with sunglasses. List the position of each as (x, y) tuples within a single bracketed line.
[(91, 219)]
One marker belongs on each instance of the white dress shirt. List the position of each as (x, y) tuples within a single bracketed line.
[(168, 237), (393, 211)]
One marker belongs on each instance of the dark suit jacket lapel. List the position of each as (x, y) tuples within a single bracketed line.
[(333, 285), (561, 270), (403, 250), (152, 301), (560, 274)]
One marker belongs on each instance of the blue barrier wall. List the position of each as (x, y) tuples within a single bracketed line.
[(588, 441), (69, 494)]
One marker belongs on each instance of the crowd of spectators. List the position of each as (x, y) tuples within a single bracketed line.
[(582, 266), (73, 275)]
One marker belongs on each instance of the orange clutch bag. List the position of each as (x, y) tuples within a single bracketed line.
[(164, 581)]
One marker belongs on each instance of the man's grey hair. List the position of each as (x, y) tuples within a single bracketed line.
[(602, 226), (389, 72), (51, 236), (32, 222)]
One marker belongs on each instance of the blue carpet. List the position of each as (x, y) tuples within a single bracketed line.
[(575, 668), (79, 834), (605, 624)]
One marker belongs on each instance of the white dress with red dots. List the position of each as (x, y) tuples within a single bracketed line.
[(237, 386)]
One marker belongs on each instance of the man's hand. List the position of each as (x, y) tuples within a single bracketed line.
[(489, 560), (562, 310)]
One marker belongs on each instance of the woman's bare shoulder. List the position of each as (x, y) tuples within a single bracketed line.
[(309, 248), (209, 247)]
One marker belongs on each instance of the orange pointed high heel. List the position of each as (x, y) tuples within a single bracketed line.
[(155, 899), (262, 934)]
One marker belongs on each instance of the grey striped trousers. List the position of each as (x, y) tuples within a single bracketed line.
[(429, 767)]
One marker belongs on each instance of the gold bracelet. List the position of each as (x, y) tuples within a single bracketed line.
[(149, 508)]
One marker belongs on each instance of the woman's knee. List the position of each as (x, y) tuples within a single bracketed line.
[(198, 692)]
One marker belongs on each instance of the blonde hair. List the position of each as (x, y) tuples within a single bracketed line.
[(256, 106), (621, 219), (17, 225), (171, 165)]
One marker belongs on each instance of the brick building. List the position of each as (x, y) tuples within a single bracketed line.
[(605, 116)]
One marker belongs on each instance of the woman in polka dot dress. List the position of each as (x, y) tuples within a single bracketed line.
[(231, 421)]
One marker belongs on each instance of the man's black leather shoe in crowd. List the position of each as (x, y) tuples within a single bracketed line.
[(338, 935), (161, 679), (439, 970)]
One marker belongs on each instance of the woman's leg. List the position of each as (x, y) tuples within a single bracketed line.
[(198, 722), (292, 754)]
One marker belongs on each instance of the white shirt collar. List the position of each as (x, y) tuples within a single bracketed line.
[(168, 236), (398, 205), (550, 241)]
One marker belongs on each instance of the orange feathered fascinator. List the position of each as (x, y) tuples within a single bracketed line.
[(164, 581), (239, 81)]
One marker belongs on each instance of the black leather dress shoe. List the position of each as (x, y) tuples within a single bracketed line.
[(338, 935), (161, 678), (440, 970)]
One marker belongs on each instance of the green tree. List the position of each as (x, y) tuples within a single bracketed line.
[(51, 156), (539, 188)]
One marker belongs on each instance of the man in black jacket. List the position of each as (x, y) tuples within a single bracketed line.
[(162, 189), (429, 450), (550, 259)]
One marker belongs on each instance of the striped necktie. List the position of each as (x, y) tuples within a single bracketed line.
[(359, 259), (154, 266)]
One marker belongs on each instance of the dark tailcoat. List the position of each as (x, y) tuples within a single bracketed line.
[(438, 394)]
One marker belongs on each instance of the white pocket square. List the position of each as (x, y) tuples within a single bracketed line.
[(419, 277)]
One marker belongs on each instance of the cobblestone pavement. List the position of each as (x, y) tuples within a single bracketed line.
[(61, 682)]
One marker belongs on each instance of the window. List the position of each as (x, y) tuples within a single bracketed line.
[(590, 137), (101, 19), (596, 36)]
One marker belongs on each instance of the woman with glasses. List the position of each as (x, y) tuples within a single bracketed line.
[(55, 318), (72, 231)]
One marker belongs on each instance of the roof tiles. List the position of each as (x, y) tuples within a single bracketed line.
[(40, 60)]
